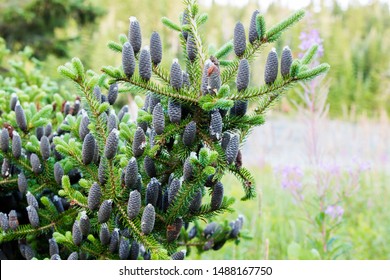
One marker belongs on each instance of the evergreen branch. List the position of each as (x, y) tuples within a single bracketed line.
[(23, 230), (161, 73), (224, 50), (252, 92), (170, 24), (248, 182), (283, 25), (205, 212), (314, 72), (179, 206), (155, 88)]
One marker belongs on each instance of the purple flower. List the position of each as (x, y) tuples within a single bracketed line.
[(291, 178), (310, 38), (335, 211)]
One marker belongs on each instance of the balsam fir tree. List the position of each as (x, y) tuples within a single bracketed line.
[(89, 183)]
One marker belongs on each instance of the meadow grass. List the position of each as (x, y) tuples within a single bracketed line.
[(280, 231)]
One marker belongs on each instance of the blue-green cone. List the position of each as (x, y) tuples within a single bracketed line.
[(174, 111), (112, 93), (102, 174), (176, 78), (16, 145), (209, 229), (13, 219), (216, 126), (83, 128), (112, 121), (189, 134), (112, 144), (225, 140), (271, 67), (31, 200), (58, 173), (104, 234), (88, 149), (148, 219), (33, 216), (22, 183), (285, 62), (239, 109), (5, 168), (114, 241), (155, 48), (192, 50), (124, 248), (26, 251), (173, 190), (243, 75), (105, 211), (98, 93), (131, 173), (187, 170), (217, 196), (214, 79), (135, 36), (77, 236), (123, 111), (184, 21), (178, 256), (139, 142), (149, 167), (4, 140), (145, 64), (134, 250), (253, 35), (74, 256), (94, 197), (154, 100), (13, 101), (4, 224), (45, 147), (20, 117), (128, 60), (205, 78), (158, 119), (85, 224), (232, 149), (35, 164), (196, 202), (53, 247), (134, 204), (186, 79), (239, 39), (48, 129), (152, 192)]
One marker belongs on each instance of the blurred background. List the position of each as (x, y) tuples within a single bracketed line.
[(322, 159)]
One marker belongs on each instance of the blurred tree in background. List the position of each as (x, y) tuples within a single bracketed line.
[(45, 25)]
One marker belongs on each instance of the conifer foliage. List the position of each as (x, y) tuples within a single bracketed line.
[(104, 187)]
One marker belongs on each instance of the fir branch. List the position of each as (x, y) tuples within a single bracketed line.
[(254, 92), (205, 212), (182, 95), (179, 206), (283, 25), (247, 180)]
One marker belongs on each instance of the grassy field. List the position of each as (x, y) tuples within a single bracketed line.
[(280, 226), (280, 230)]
